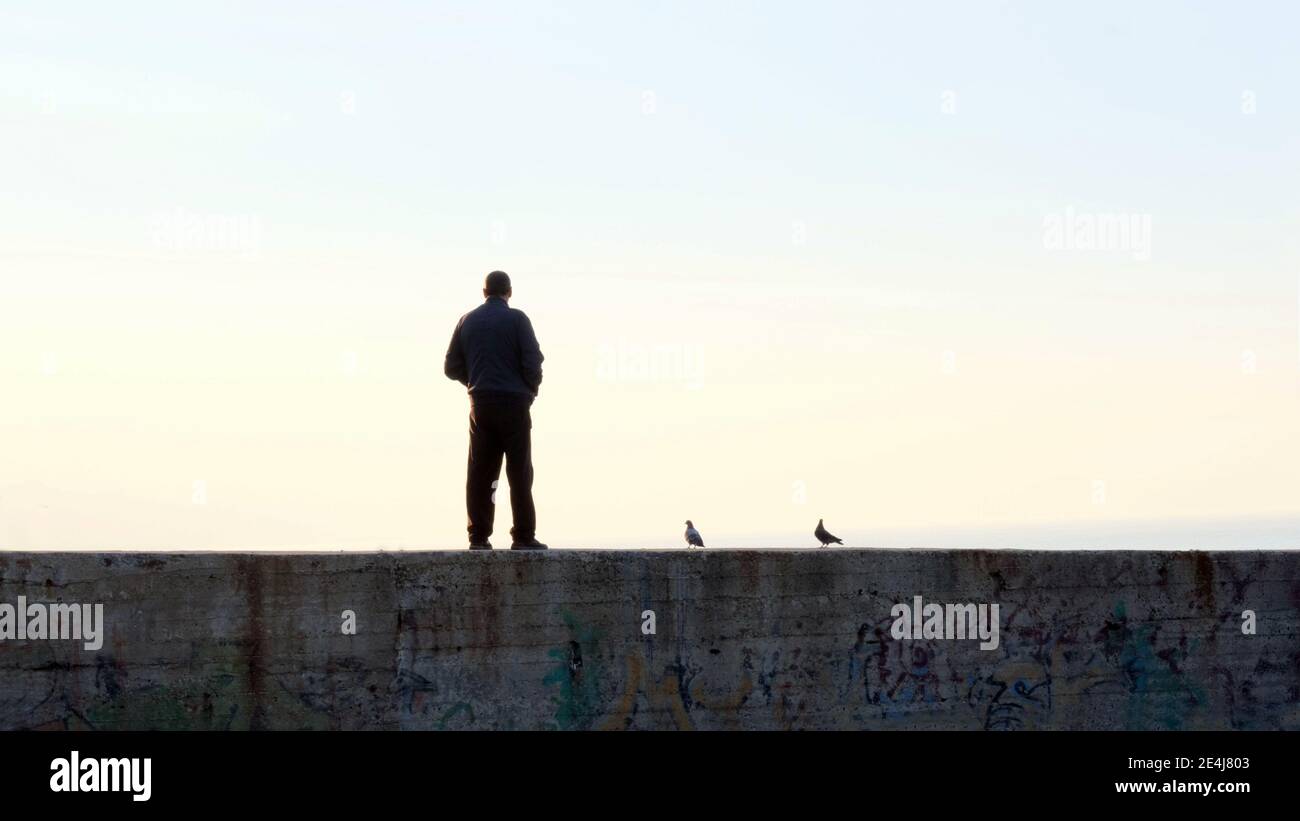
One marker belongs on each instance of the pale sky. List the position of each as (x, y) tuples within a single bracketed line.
[(785, 261)]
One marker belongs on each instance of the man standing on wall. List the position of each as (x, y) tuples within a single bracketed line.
[(495, 354)]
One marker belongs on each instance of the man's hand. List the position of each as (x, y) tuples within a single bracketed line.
[(530, 354), (454, 364)]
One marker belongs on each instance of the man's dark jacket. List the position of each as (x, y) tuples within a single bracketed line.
[(494, 353)]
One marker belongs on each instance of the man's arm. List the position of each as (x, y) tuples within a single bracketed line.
[(530, 354), (454, 364)]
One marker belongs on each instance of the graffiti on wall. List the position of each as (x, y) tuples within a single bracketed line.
[(1116, 653)]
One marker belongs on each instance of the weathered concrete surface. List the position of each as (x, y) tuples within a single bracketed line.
[(745, 639)]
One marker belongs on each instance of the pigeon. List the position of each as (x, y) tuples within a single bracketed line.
[(822, 535), (693, 536)]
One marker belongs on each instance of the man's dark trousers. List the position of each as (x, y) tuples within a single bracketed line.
[(496, 429)]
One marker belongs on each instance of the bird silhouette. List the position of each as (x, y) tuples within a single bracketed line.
[(693, 536), (823, 535)]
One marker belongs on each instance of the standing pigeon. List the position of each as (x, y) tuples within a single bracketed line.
[(822, 535), (693, 537)]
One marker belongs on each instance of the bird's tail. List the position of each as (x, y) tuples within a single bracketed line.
[(839, 541)]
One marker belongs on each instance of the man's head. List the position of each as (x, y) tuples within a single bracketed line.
[(497, 284)]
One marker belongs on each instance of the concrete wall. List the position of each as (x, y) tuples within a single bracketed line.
[(745, 639)]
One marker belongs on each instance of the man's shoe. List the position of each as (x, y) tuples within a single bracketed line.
[(483, 545), (531, 544)]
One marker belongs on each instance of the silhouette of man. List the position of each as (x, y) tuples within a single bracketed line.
[(495, 354)]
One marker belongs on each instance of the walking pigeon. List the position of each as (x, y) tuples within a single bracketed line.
[(823, 536), (693, 536)]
